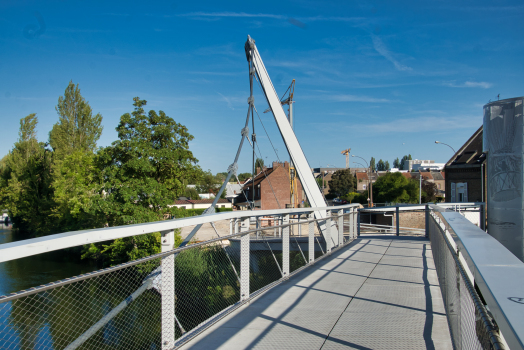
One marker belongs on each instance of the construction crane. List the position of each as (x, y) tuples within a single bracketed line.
[(346, 153)]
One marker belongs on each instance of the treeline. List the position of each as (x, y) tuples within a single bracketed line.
[(382, 165), (388, 188), (66, 183)]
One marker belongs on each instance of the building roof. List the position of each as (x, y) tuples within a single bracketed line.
[(362, 176), (407, 175), (470, 152), (426, 175), (437, 175), (259, 177)]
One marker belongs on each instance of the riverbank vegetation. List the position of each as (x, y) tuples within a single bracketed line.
[(67, 183)]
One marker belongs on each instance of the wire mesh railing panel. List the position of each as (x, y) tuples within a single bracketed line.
[(265, 260), (119, 309), (206, 283), (468, 320)]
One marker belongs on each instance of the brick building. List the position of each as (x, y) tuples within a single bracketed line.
[(363, 180), (271, 188), (465, 172)]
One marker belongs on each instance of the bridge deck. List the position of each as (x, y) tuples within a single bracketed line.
[(380, 292)]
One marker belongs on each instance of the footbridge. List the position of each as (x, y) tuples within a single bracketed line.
[(304, 282)]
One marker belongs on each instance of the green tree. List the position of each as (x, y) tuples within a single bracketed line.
[(244, 176), (372, 164), (351, 196), (259, 163), (191, 193), (429, 192), (320, 182), (144, 172), (381, 166), (404, 161), (25, 182), (76, 179), (208, 183), (396, 163), (386, 165), (342, 182), (77, 128), (395, 188)]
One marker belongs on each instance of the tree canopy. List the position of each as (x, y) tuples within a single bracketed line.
[(342, 182), (395, 188), (77, 128)]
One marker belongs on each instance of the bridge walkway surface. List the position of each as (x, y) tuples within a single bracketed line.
[(379, 292)]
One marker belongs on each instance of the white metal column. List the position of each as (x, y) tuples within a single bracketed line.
[(311, 238), (327, 235), (340, 227), (168, 291), (351, 227), (244, 260), (285, 246)]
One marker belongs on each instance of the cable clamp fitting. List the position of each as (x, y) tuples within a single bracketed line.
[(232, 169), (251, 100), (254, 137), (245, 131)]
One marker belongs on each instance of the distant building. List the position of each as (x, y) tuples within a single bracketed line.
[(200, 203), (466, 173), (271, 188), (363, 180), (428, 165)]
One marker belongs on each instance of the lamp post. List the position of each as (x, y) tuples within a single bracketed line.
[(447, 145), (370, 182)]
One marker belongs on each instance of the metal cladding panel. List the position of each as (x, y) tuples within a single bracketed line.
[(503, 141)]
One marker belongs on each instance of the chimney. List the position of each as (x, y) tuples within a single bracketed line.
[(286, 165), (258, 170), (275, 165)]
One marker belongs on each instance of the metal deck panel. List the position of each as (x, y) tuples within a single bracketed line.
[(370, 295)]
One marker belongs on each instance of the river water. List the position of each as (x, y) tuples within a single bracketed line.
[(36, 270)]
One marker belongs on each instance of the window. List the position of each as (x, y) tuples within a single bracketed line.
[(459, 192)]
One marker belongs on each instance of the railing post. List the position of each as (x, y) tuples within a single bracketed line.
[(340, 227), (168, 291), (398, 220), (311, 237), (244, 261), (285, 246), (299, 226), (427, 220), (328, 232), (482, 216), (350, 221), (358, 223)]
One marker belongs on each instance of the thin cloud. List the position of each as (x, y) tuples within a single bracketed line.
[(232, 14), (227, 100), (354, 98), (298, 21), (470, 84), (379, 46)]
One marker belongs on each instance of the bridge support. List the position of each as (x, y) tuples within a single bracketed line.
[(285, 246), (311, 238), (340, 227), (168, 291), (398, 220), (244, 261), (327, 235)]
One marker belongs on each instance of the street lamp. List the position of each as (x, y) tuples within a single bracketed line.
[(447, 145), (370, 190)]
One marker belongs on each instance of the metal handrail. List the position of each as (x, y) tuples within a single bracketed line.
[(34, 246), (497, 273)]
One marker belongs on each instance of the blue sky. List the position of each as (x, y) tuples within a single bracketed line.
[(382, 78)]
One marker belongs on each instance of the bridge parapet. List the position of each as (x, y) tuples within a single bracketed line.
[(164, 300)]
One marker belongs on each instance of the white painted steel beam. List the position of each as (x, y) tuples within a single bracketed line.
[(313, 194)]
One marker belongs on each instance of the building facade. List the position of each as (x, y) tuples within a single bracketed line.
[(465, 177)]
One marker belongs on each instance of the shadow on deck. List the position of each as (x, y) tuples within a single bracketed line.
[(379, 292)]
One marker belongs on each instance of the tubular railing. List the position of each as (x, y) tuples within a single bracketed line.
[(164, 300), (472, 325)]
